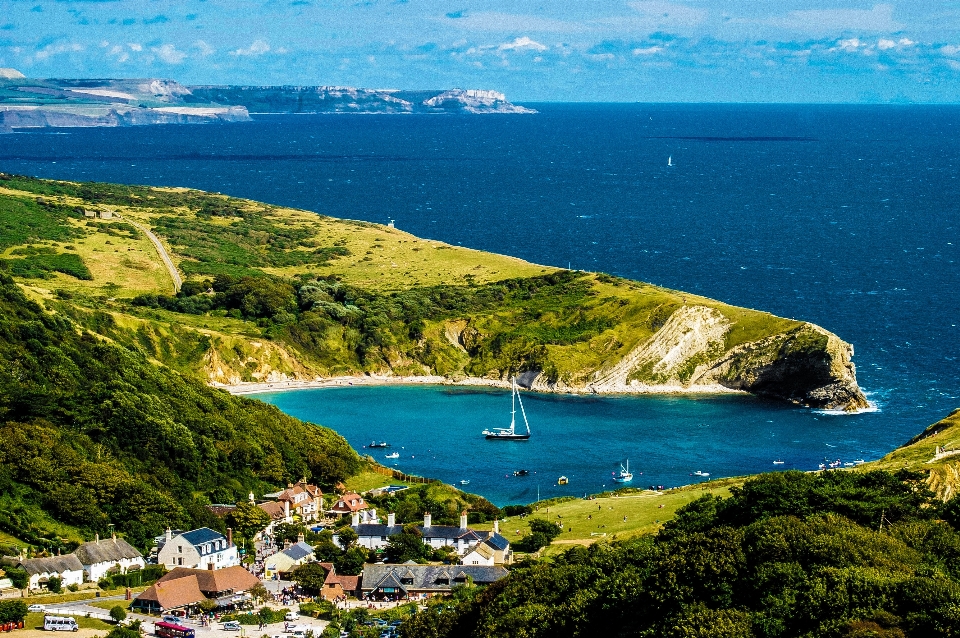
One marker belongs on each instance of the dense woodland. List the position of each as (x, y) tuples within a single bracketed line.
[(94, 434), (788, 554)]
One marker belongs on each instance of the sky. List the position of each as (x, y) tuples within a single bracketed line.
[(823, 51)]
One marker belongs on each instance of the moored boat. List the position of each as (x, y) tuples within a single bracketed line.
[(624, 476), (510, 433)]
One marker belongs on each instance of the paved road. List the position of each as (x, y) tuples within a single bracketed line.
[(174, 274)]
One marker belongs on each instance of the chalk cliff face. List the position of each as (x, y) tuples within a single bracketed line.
[(806, 365), (28, 102)]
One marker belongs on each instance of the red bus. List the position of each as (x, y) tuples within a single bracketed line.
[(169, 630)]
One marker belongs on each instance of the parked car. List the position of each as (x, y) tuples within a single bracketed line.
[(230, 625), (291, 616), (36, 608)]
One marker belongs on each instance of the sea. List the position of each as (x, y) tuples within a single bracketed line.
[(845, 216)]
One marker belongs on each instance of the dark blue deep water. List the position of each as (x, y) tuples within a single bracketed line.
[(846, 216)]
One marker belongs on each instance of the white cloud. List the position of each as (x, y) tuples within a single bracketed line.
[(850, 45), (950, 49), (203, 49), (878, 18), (647, 50), (169, 54), (884, 44), (52, 50), (259, 47), (522, 44), (135, 47)]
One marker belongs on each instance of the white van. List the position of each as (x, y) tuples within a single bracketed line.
[(59, 623)]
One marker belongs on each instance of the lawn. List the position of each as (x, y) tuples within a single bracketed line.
[(612, 517), (110, 604), (35, 621), (366, 481)]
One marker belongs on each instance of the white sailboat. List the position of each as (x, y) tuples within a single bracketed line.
[(624, 476), (670, 161), (510, 433)]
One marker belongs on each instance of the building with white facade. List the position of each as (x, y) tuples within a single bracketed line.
[(99, 557), (201, 548)]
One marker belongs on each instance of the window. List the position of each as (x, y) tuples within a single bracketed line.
[(179, 549), (443, 581), (180, 561)]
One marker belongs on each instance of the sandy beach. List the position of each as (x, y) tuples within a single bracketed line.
[(255, 387)]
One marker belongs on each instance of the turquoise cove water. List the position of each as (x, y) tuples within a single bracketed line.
[(437, 432)]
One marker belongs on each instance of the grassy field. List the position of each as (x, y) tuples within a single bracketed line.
[(366, 481), (35, 621), (110, 604), (611, 517)]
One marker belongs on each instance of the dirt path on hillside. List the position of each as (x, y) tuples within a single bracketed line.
[(174, 274)]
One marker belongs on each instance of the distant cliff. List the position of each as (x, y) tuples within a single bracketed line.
[(339, 99), (31, 103)]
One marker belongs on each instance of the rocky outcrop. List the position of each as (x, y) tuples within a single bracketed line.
[(39, 117), (806, 365)]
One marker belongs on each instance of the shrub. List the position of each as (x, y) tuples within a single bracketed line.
[(118, 613), (73, 587), (55, 584)]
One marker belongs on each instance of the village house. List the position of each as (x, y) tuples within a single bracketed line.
[(335, 585), (283, 562), (348, 504), (108, 556), (410, 580), (495, 550), (67, 568), (201, 548), (182, 588)]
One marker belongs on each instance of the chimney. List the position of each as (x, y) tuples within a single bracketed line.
[(463, 519), (286, 544), (355, 519), (300, 537), (96, 538), (426, 520), (496, 526), (252, 500), (229, 537), (391, 519), (168, 534), (286, 510), (114, 537)]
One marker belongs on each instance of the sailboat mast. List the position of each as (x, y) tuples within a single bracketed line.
[(513, 406), (522, 411)]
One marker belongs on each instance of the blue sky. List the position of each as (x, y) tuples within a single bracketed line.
[(583, 50)]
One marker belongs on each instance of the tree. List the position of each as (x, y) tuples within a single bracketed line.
[(310, 577), (347, 537), (55, 584), (407, 545), (247, 519), (288, 532), (18, 577), (207, 605), (351, 562), (258, 592), (12, 611), (118, 613)]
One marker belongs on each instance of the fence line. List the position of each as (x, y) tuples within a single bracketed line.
[(400, 476)]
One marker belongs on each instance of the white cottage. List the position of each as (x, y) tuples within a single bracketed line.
[(101, 556), (201, 548), (67, 568), (375, 536)]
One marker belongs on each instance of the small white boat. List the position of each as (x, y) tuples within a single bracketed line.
[(778, 462), (395, 455), (822, 466), (464, 482), (859, 462), (849, 464), (699, 473), (563, 480), (670, 161), (624, 476)]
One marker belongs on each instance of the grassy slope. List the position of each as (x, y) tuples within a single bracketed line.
[(244, 237), (917, 454)]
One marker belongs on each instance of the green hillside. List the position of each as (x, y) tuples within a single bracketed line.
[(272, 293), (95, 434)]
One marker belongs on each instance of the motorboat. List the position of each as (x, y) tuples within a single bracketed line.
[(521, 472), (563, 480), (699, 473), (395, 455), (380, 444)]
